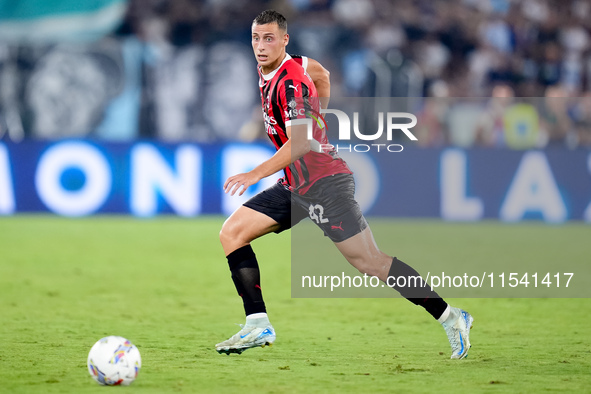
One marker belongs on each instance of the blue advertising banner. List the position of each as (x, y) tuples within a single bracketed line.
[(474, 184), (82, 177)]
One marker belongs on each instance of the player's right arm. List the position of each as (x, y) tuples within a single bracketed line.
[(321, 78), (295, 147)]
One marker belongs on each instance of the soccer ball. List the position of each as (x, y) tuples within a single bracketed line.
[(114, 361)]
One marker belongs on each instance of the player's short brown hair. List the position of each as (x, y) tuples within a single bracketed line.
[(271, 16)]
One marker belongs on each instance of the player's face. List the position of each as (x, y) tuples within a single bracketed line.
[(268, 43)]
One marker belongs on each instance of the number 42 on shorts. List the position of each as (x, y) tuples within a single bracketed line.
[(317, 213)]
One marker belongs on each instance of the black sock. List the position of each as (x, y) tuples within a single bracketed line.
[(415, 289), (247, 279)]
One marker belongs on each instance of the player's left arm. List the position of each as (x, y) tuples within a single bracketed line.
[(321, 78), (296, 146)]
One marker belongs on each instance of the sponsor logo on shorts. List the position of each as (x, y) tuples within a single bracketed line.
[(339, 227)]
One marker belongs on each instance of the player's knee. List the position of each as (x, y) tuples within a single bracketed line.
[(222, 236), (229, 232)]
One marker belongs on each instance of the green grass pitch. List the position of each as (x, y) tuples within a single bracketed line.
[(164, 284)]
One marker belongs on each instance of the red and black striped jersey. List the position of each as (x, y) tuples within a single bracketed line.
[(289, 97)]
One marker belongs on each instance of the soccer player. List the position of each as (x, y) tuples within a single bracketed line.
[(317, 184)]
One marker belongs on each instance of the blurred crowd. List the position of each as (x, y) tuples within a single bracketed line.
[(470, 45), (473, 62)]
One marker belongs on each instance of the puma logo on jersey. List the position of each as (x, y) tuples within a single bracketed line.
[(294, 87)]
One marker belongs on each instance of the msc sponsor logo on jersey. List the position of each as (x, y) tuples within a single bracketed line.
[(294, 113)]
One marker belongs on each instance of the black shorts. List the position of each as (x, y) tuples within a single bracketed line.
[(330, 203)]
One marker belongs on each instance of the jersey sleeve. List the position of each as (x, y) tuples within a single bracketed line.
[(297, 99), (301, 60)]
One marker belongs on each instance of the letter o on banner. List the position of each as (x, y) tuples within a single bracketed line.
[(84, 157)]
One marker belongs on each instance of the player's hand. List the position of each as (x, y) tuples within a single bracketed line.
[(236, 182)]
